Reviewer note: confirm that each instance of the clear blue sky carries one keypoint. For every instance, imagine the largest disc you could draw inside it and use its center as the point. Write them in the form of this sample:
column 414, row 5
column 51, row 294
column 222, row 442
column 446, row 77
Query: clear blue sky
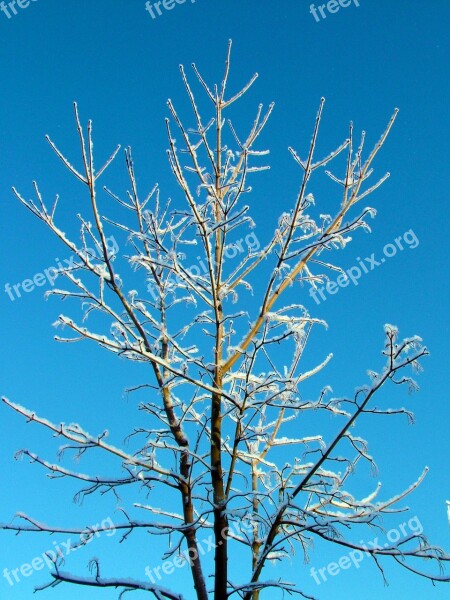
column 121, row 65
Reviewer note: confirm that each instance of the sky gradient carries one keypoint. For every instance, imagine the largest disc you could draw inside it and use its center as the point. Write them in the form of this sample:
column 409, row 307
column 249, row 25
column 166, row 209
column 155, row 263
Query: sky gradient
column 121, row 65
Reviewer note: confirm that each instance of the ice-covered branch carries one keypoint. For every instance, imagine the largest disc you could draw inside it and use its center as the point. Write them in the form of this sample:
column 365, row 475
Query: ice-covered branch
column 127, row 584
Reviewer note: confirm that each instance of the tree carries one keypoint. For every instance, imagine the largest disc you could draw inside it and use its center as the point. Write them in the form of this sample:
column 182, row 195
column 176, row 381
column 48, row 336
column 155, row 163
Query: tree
column 217, row 399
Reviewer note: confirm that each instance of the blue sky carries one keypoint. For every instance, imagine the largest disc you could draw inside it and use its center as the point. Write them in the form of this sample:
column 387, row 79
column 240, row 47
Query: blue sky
column 121, row 65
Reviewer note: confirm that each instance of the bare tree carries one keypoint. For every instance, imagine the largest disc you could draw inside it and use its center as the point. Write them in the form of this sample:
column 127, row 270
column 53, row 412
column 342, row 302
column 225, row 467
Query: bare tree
column 217, row 399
